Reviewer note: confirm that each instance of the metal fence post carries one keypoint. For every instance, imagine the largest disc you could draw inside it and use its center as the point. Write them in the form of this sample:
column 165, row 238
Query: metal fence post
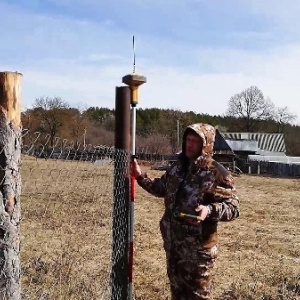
column 120, row 262
column 10, row 184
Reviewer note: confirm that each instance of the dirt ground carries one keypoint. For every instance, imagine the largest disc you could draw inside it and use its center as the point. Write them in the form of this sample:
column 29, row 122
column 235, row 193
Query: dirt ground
column 66, row 237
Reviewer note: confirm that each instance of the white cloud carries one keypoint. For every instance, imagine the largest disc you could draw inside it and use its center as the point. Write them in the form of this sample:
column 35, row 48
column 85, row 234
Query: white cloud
column 83, row 61
column 276, row 75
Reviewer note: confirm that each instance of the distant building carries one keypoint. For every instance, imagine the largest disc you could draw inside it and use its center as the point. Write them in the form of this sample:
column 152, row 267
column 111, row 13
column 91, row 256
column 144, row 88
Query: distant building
column 248, row 146
column 249, row 143
column 223, row 152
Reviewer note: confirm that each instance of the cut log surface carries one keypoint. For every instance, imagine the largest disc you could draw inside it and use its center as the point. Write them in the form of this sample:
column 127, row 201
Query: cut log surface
column 10, row 96
column 10, row 184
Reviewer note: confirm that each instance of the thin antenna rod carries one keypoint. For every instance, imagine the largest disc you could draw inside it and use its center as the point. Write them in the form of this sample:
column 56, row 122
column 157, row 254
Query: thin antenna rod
column 133, row 47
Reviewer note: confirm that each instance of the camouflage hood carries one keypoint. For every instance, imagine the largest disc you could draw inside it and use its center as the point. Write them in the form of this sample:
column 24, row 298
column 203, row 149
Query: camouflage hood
column 206, row 132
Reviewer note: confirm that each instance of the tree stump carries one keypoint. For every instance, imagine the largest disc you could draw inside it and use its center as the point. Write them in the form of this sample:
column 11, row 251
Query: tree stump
column 10, row 184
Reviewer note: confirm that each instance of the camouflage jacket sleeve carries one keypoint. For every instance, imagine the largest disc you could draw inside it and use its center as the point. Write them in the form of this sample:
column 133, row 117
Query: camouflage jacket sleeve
column 224, row 201
column 154, row 186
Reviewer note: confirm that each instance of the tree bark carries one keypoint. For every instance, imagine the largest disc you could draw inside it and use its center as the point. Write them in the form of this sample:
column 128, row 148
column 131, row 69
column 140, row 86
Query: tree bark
column 10, row 184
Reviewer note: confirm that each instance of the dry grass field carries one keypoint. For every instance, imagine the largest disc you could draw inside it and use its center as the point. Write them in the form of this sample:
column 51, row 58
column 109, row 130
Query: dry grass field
column 66, row 237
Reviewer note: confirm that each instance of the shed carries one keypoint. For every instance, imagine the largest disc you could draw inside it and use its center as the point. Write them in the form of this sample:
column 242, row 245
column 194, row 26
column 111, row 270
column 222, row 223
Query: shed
column 245, row 144
column 223, row 153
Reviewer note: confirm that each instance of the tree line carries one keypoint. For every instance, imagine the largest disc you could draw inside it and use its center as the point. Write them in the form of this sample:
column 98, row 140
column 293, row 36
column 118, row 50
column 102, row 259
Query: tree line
column 158, row 130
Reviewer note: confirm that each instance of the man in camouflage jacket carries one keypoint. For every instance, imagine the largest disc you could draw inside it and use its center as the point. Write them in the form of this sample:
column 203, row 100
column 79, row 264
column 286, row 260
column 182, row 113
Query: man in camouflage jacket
column 194, row 185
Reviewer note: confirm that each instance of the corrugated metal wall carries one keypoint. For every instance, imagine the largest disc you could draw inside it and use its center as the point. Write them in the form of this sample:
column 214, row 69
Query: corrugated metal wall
column 266, row 141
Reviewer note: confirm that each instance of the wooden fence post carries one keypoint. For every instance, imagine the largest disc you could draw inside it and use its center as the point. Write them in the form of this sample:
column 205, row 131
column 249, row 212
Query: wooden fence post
column 10, row 184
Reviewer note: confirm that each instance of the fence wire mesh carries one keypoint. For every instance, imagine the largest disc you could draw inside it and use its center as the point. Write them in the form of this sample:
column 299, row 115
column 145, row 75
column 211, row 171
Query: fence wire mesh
column 74, row 205
column 67, row 212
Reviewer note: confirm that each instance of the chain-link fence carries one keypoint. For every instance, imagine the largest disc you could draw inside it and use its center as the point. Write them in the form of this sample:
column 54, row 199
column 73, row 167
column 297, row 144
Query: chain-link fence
column 68, row 229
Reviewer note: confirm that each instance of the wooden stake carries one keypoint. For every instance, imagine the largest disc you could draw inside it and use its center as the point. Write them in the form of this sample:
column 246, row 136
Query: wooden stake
column 10, row 184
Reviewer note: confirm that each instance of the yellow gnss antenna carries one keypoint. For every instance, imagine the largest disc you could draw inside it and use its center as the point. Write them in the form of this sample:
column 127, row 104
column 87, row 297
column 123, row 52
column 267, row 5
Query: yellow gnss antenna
column 134, row 80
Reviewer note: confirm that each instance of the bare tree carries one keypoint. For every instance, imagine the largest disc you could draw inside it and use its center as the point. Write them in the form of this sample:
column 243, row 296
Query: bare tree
column 108, row 122
column 51, row 112
column 251, row 107
column 154, row 143
column 173, row 122
column 100, row 136
column 282, row 117
column 78, row 125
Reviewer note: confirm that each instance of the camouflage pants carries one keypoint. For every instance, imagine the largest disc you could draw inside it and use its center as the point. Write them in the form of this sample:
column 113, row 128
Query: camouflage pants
column 189, row 267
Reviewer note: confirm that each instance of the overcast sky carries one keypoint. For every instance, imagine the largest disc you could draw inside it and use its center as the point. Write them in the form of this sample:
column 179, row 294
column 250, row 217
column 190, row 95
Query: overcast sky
column 196, row 54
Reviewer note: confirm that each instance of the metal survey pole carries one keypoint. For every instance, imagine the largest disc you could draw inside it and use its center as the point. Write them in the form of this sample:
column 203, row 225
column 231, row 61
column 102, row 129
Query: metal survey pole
column 132, row 197
column 133, row 81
